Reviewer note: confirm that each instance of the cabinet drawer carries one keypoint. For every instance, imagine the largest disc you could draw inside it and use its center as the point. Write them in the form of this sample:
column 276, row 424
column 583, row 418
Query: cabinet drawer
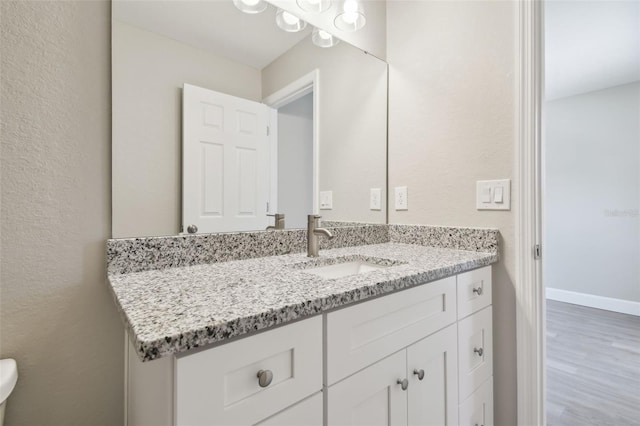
column 220, row 386
column 304, row 413
column 363, row 334
column 475, row 351
column 474, row 291
column 477, row 410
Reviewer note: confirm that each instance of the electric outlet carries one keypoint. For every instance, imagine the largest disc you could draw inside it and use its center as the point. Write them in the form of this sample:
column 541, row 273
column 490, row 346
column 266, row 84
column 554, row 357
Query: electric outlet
column 375, row 199
column 402, row 201
column 326, row 200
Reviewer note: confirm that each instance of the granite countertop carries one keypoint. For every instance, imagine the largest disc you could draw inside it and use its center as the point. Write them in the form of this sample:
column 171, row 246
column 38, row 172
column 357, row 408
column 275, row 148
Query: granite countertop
column 173, row 310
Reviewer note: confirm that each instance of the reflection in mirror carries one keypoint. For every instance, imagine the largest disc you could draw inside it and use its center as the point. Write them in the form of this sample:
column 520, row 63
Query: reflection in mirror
column 220, row 119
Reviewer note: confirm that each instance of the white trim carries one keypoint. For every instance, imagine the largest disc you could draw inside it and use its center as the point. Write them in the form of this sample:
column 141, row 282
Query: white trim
column 273, row 161
column 594, row 301
column 291, row 92
column 528, row 286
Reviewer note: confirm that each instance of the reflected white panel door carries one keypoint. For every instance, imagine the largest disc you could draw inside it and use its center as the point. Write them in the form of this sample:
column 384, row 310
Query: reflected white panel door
column 225, row 160
column 371, row 397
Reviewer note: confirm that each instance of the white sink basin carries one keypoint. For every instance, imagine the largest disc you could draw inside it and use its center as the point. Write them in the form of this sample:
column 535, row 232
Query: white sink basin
column 345, row 269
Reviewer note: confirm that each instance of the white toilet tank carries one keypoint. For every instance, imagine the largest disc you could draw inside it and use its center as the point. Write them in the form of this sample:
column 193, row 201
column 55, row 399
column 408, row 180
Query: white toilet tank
column 8, row 379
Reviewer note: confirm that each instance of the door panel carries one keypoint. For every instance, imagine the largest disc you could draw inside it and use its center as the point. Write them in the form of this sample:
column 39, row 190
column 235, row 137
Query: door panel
column 433, row 401
column 225, row 174
column 371, row 397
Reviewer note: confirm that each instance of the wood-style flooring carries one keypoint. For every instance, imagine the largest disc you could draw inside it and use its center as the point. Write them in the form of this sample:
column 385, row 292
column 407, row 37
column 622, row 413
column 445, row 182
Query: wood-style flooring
column 593, row 366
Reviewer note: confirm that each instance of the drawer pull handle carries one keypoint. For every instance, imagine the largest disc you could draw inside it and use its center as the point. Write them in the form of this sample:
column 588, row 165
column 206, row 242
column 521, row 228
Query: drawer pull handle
column 264, row 378
column 404, row 384
column 478, row 291
column 479, row 351
column 419, row 373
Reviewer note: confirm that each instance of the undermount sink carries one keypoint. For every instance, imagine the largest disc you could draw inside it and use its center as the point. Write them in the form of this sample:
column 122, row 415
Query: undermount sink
column 345, row 266
column 340, row 270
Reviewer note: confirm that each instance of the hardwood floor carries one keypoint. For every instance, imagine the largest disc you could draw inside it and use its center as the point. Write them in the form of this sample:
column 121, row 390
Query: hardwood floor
column 593, row 366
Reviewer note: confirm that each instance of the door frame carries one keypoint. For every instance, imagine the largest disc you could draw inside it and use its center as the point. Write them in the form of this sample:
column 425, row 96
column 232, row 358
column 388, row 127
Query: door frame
column 530, row 300
column 309, row 83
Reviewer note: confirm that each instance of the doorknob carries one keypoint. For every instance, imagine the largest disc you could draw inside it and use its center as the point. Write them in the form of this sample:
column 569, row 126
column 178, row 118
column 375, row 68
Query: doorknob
column 192, row 229
column 404, row 383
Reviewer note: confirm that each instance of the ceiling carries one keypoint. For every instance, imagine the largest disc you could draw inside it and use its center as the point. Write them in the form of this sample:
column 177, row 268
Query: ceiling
column 214, row 26
column 590, row 45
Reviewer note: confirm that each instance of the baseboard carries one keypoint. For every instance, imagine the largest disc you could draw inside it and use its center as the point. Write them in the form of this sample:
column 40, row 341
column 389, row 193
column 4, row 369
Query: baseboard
column 593, row 301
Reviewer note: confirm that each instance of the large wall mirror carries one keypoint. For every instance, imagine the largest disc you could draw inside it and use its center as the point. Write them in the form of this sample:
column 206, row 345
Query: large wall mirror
column 221, row 118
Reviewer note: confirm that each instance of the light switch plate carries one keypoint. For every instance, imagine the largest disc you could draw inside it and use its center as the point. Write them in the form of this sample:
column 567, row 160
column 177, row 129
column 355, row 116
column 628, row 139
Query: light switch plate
column 326, row 200
column 493, row 194
column 375, row 199
column 401, row 197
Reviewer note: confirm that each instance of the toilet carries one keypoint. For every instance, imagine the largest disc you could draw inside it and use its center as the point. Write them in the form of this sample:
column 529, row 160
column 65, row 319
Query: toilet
column 8, row 379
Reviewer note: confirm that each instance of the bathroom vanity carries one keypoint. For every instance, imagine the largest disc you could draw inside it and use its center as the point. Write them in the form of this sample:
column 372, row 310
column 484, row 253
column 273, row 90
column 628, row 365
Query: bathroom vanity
column 276, row 341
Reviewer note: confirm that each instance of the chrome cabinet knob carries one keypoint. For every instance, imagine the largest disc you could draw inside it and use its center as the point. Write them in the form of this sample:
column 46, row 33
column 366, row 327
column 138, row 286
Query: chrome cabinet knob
column 478, row 291
column 264, row 378
column 192, row 229
column 479, row 351
column 419, row 373
column 478, row 424
column 404, row 384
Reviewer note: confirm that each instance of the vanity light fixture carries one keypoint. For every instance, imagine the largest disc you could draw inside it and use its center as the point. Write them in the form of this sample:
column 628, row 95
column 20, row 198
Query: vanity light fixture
column 314, row 6
column 289, row 22
column 352, row 16
column 251, row 6
column 322, row 38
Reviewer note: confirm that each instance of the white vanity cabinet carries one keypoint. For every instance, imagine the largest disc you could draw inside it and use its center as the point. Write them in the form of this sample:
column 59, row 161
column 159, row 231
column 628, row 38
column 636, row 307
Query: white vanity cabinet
column 420, row 356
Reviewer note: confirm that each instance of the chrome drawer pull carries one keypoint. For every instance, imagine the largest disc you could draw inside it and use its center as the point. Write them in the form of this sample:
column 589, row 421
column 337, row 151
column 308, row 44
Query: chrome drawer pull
column 404, row 384
column 479, row 351
column 419, row 373
column 264, row 378
column 478, row 291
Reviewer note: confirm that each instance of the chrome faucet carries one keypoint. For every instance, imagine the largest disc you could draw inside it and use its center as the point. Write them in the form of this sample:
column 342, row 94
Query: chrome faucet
column 313, row 232
column 279, row 224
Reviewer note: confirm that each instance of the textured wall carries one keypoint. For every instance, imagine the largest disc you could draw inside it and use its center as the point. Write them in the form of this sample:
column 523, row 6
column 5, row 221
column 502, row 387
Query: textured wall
column 57, row 317
column 592, row 193
column 148, row 73
column 451, row 122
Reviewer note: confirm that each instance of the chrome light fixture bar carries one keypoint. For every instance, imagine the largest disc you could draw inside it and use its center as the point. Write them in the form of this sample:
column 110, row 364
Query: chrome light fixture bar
column 322, row 38
column 289, row 22
column 314, row 6
column 251, row 6
column 351, row 18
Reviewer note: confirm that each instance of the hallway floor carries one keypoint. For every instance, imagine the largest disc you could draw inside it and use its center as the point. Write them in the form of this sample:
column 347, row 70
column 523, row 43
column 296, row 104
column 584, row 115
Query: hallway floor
column 593, row 366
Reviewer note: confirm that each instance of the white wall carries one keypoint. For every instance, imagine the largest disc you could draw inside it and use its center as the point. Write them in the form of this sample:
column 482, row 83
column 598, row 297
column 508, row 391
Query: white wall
column 57, row 316
column 148, row 73
column 592, row 193
column 353, row 109
column 451, row 122
column 295, row 161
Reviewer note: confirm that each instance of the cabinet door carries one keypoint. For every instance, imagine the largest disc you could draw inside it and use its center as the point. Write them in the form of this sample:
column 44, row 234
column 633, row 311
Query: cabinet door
column 477, row 410
column 371, row 397
column 475, row 351
column 304, row 413
column 433, row 400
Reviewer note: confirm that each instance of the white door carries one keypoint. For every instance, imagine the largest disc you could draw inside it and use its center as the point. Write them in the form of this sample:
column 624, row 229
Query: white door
column 371, row 397
column 433, row 400
column 225, row 162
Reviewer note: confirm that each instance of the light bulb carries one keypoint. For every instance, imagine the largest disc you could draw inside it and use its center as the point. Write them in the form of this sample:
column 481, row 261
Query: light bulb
column 322, row 38
column 251, row 6
column 350, row 6
column 314, row 6
column 290, row 19
column 352, row 17
column 289, row 22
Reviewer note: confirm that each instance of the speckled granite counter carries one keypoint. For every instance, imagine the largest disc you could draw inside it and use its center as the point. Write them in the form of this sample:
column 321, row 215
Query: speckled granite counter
column 173, row 310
